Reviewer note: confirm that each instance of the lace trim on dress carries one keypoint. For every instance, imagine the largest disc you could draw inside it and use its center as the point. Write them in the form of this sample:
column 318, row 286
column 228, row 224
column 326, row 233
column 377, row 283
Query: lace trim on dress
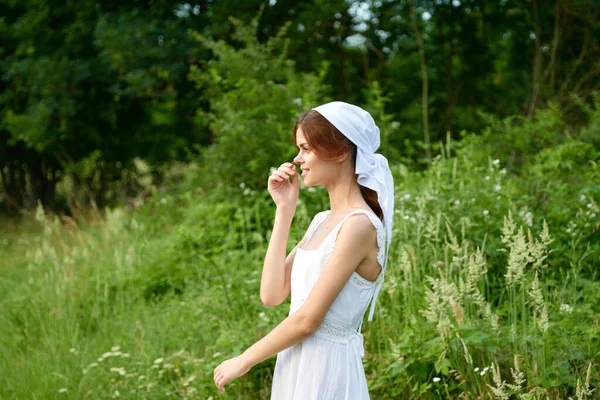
column 333, row 329
column 360, row 281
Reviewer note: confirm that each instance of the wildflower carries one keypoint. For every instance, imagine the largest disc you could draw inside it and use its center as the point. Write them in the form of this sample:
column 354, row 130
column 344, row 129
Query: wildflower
column 457, row 202
column 485, row 212
column 503, row 171
column 497, row 188
column 120, row 370
column 72, row 350
column 482, row 373
column 436, row 379
column 496, row 162
column 62, row 390
column 487, row 178
column 566, row 308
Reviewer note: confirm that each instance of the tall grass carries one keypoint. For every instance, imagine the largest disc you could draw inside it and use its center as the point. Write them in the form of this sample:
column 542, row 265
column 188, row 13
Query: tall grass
column 486, row 296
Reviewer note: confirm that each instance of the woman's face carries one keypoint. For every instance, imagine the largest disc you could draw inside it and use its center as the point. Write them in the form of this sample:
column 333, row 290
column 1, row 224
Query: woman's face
column 314, row 170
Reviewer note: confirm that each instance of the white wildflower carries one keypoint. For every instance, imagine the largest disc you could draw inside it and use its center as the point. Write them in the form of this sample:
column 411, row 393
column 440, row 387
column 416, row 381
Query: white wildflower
column 158, row 360
column 566, row 308
column 436, row 379
column 485, row 212
column 120, row 370
column 62, row 390
column 497, row 188
column 476, row 369
column 496, row 162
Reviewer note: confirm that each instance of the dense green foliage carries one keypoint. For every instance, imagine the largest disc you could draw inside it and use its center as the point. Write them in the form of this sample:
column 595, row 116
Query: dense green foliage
column 88, row 88
column 492, row 285
column 174, row 114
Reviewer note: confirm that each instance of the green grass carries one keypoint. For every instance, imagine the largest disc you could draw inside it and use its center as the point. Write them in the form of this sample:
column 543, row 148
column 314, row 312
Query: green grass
column 145, row 303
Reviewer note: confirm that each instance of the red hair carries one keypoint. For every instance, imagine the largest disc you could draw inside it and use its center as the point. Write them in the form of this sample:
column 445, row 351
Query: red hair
column 329, row 144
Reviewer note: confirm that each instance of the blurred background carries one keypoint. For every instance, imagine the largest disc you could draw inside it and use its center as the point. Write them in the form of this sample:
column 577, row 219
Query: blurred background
column 136, row 139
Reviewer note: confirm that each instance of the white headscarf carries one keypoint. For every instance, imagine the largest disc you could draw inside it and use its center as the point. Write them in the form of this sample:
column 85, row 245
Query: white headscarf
column 372, row 168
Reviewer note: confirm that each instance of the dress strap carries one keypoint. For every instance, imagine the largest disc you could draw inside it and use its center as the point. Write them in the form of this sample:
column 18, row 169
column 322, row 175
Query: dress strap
column 314, row 224
column 380, row 284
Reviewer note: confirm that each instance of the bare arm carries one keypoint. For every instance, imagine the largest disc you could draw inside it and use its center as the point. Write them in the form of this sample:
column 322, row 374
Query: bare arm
column 277, row 268
column 348, row 253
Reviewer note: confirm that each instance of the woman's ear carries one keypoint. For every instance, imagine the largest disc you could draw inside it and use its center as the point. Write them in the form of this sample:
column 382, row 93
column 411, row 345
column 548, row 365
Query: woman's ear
column 343, row 157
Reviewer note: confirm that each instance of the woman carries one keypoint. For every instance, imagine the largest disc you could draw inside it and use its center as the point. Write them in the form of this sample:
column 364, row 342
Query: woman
column 335, row 270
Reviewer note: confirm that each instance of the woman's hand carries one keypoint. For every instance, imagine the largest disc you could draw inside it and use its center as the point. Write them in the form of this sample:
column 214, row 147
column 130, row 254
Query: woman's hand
column 228, row 370
column 282, row 191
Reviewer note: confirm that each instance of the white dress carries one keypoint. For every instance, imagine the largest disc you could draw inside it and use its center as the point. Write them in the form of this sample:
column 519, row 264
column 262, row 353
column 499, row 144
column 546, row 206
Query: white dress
column 328, row 364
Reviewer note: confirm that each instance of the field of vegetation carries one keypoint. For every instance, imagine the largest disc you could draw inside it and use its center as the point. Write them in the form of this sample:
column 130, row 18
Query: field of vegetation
column 492, row 287
column 145, row 133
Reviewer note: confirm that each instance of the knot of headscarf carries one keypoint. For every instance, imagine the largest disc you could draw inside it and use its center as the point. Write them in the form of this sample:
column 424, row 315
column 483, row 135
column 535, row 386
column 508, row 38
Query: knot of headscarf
column 372, row 168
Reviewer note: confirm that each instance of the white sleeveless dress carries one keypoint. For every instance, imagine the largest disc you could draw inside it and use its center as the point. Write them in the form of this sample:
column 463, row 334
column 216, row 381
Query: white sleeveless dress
column 328, row 364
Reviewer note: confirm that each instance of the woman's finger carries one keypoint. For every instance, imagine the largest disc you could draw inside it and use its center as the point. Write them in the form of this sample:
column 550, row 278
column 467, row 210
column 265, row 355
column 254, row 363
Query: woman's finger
column 281, row 174
column 287, row 169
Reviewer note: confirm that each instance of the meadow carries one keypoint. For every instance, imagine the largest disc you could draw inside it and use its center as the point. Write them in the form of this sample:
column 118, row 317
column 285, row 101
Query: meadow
column 491, row 291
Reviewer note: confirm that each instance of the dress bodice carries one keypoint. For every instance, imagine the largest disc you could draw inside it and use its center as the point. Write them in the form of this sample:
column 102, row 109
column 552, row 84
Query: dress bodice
column 348, row 309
